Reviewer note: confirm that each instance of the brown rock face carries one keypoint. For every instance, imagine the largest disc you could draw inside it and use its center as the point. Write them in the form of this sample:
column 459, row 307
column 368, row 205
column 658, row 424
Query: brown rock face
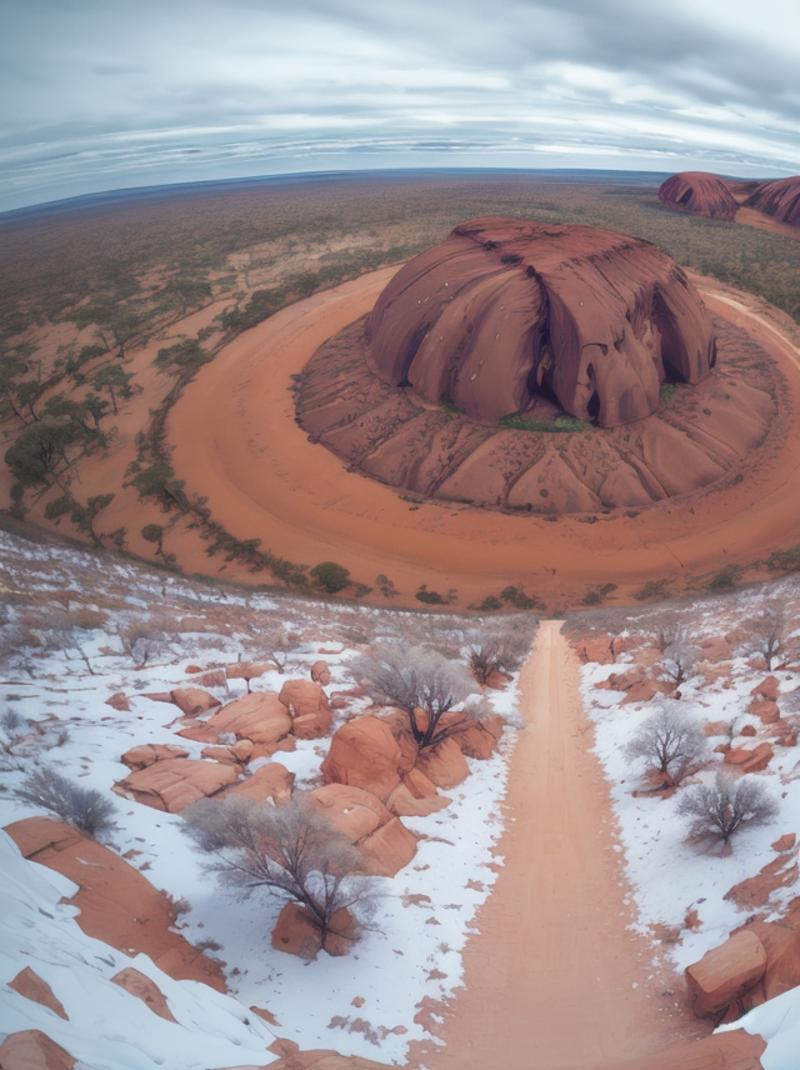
column 117, row 903
column 699, row 193
column 364, row 754
column 29, row 984
column 33, row 1050
column 508, row 309
column 780, row 199
column 139, row 984
column 725, row 973
column 308, row 707
column 175, row 783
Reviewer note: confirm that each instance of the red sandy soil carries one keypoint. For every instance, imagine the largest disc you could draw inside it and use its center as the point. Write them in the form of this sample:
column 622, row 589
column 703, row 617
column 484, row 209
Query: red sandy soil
column 751, row 217
column 236, row 442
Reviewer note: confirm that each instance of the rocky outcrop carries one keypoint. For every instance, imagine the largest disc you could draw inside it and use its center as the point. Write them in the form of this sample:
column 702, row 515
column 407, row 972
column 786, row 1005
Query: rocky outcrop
column 272, row 781
column 699, row 193
column 697, row 437
column 779, row 198
column 260, row 717
column 29, row 984
column 117, row 903
column 139, row 985
column 506, row 309
column 750, row 759
column 175, row 783
column 147, row 754
column 297, row 933
column 308, row 707
column 384, row 843
column 725, row 973
column 321, row 673
column 364, row 754
column 32, row 1049
column 193, row 700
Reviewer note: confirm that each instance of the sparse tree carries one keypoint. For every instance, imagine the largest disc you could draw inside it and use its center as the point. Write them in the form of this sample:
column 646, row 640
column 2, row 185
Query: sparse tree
column 717, row 811
column 142, row 641
column 679, row 659
column 416, row 680
column 498, row 648
column 668, row 741
column 292, row 851
column 86, row 809
column 114, row 379
column 767, row 632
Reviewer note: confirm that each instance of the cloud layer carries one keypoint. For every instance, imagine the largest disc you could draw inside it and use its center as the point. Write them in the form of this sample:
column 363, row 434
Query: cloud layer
column 102, row 94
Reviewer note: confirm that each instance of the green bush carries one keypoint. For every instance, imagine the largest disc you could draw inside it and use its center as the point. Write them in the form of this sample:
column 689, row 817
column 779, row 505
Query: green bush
column 330, row 576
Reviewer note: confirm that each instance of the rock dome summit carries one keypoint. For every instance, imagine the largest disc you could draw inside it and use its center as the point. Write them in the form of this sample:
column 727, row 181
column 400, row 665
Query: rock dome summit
column 506, row 310
column 542, row 368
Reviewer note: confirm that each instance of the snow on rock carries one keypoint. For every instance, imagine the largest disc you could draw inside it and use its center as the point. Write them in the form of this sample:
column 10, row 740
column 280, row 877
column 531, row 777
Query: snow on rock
column 778, row 1022
column 670, row 878
column 39, row 929
column 362, row 1004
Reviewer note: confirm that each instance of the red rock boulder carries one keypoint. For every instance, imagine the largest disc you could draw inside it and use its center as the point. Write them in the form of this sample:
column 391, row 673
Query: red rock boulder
column 272, row 781
column 321, row 673
column 260, row 717
column 308, row 707
column 193, row 700
column 139, row 985
column 147, row 754
column 750, row 759
column 726, row 973
column 29, row 984
column 31, row 1049
column 175, row 783
column 364, row 754
column 385, row 844
column 443, row 764
column 296, row 933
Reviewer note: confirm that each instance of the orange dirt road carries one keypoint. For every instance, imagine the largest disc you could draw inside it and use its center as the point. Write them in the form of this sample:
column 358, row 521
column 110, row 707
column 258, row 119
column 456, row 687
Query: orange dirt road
column 235, row 440
column 554, row 978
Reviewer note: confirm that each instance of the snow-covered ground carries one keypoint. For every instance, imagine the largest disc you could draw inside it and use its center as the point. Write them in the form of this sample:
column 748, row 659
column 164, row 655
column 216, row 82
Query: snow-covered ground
column 670, row 876
column 365, row 1003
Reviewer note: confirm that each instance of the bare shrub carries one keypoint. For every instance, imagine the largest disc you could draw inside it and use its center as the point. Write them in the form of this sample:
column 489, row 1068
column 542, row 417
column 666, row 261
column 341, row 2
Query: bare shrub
column 679, row 659
column 719, row 810
column 143, row 641
column 498, row 648
column 292, row 851
column 668, row 741
column 415, row 679
column 766, row 635
column 85, row 808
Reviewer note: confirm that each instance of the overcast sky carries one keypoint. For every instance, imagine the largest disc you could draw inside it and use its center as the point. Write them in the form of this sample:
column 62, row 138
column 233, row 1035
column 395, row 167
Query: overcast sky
column 103, row 94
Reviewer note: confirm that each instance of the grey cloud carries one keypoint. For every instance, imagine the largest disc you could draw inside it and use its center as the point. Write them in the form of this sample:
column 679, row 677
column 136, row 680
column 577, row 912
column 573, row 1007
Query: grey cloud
column 102, row 93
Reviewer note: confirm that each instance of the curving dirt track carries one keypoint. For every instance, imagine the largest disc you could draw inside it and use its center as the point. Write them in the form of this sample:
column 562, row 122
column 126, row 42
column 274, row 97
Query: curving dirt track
column 236, row 441
column 554, row 978
column 555, row 960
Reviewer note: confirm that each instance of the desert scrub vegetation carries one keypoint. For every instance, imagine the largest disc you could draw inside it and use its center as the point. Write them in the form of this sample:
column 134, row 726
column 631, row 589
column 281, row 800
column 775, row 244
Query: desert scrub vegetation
column 291, row 851
column 717, row 811
column 668, row 742
column 499, row 648
column 84, row 808
column 421, row 682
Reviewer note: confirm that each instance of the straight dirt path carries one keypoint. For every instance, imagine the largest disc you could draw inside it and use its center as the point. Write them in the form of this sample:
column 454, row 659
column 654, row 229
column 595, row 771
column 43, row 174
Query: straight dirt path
column 555, row 978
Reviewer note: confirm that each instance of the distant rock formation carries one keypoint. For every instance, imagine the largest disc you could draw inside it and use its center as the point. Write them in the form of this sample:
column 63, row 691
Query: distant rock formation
column 779, row 199
column 699, row 193
column 719, row 197
column 506, row 310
